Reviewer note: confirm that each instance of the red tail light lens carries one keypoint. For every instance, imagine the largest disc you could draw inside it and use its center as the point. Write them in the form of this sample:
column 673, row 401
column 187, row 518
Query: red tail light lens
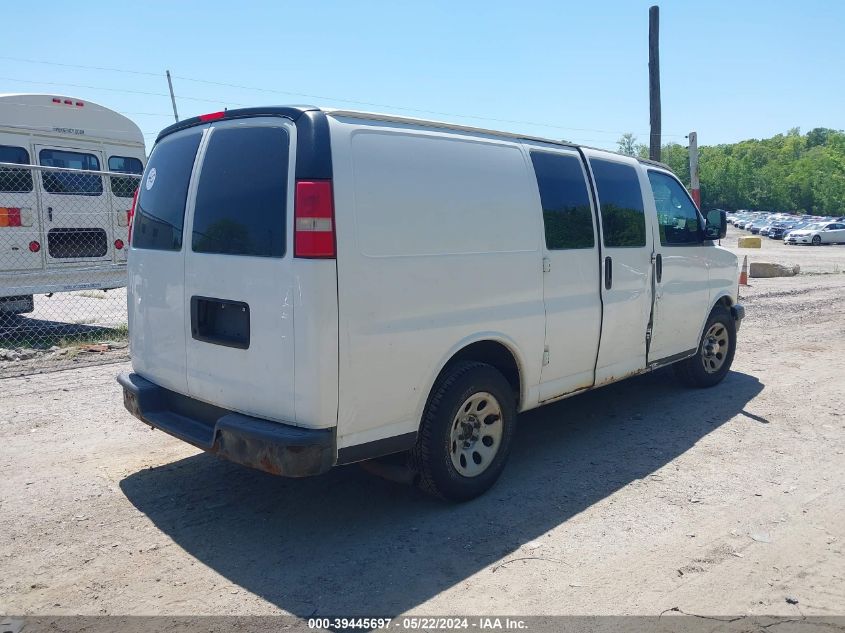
column 10, row 216
column 314, row 234
column 118, row 244
column 130, row 215
column 34, row 246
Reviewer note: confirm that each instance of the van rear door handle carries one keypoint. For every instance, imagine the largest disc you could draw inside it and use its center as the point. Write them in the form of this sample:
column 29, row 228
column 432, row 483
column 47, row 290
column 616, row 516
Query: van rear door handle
column 608, row 273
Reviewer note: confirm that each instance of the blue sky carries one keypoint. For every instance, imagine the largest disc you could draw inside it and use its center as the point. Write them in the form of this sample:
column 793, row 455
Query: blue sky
column 573, row 70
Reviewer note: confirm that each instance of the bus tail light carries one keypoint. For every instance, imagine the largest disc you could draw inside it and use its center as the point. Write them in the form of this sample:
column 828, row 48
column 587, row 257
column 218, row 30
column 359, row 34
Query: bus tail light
column 314, row 231
column 10, row 216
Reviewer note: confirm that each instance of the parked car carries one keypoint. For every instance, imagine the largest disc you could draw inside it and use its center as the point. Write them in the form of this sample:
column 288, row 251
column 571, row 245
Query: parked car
column 819, row 233
column 780, row 229
column 310, row 288
column 755, row 226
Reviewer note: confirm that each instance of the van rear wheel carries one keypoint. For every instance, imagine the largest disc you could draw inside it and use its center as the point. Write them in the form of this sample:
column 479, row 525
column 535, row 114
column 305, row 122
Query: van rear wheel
column 466, row 432
column 715, row 352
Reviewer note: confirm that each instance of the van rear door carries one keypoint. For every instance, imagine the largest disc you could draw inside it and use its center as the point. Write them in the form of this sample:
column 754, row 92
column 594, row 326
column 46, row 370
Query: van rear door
column 156, row 270
column 239, row 276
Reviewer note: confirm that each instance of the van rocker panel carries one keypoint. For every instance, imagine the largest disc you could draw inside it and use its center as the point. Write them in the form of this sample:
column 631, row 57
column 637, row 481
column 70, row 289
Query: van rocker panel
column 276, row 448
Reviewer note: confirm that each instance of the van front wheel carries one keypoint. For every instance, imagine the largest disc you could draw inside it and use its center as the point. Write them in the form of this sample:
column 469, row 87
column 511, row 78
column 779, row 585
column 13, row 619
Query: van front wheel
column 466, row 432
column 715, row 352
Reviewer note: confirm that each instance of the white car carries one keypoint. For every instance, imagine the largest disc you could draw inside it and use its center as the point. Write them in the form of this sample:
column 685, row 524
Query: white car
column 817, row 234
column 313, row 287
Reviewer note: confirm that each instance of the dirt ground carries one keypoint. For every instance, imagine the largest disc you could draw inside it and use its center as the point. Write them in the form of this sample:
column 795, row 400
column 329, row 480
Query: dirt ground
column 633, row 499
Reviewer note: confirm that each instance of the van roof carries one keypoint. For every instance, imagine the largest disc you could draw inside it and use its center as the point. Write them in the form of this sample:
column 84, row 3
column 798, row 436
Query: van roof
column 294, row 112
column 66, row 116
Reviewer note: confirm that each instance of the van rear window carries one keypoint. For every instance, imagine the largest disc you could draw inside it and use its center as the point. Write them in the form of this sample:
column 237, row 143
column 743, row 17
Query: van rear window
column 242, row 193
column 160, row 210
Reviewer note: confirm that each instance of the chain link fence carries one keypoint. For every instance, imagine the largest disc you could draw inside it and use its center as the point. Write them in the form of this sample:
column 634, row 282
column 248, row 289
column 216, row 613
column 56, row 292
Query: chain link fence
column 64, row 235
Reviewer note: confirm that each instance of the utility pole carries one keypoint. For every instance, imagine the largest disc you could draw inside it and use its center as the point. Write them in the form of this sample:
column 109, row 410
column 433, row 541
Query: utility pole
column 172, row 98
column 694, row 185
column 654, row 81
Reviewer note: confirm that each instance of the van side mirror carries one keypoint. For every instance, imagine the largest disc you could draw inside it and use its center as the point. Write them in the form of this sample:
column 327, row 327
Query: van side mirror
column 715, row 225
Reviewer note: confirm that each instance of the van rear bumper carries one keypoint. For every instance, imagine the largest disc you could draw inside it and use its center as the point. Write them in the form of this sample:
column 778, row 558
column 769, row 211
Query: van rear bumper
column 280, row 449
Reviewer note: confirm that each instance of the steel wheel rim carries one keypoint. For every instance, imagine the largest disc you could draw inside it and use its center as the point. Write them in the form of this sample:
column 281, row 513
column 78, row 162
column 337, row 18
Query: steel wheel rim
column 476, row 434
column 715, row 347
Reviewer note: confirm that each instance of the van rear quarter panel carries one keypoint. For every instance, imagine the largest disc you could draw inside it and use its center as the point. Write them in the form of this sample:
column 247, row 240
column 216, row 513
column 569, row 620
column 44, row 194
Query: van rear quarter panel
column 438, row 240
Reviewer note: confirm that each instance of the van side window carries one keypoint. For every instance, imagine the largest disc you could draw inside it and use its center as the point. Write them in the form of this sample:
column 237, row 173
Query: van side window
column 14, row 180
column 62, row 182
column 242, row 193
column 567, row 216
column 677, row 217
column 160, row 210
column 621, row 202
column 120, row 185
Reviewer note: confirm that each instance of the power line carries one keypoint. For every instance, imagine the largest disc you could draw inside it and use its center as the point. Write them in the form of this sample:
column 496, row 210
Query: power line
column 287, row 93
column 120, row 90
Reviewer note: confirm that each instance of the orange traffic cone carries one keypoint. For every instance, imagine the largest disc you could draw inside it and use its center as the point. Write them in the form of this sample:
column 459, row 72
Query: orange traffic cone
column 743, row 275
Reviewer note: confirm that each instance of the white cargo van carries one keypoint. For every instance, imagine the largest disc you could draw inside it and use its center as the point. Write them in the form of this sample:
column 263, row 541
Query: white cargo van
column 313, row 287
column 63, row 222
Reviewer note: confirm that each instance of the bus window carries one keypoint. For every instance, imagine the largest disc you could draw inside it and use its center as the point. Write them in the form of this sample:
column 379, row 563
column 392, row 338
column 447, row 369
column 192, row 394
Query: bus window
column 14, row 180
column 66, row 182
column 124, row 187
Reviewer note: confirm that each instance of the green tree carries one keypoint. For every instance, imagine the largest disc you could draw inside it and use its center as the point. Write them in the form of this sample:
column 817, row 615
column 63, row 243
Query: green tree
column 627, row 144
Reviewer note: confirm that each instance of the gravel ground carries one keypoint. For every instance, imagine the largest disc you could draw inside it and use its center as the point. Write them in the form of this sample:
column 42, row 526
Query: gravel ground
column 633, row 499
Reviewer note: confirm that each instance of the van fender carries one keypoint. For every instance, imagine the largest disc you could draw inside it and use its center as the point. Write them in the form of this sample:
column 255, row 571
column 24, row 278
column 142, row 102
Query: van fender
column 723, row 297
column 478, row 337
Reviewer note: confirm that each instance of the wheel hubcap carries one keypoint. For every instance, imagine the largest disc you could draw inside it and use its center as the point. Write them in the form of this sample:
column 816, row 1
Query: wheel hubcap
column 714, row 348
column 476, row 434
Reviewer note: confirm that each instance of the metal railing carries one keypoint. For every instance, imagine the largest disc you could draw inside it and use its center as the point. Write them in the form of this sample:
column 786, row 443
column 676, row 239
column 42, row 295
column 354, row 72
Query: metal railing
column 64, row 235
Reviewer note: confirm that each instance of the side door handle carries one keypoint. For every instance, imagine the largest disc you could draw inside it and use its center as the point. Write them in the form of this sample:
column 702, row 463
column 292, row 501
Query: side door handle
column 658, row 267
column 50, row 213
column 608, row 273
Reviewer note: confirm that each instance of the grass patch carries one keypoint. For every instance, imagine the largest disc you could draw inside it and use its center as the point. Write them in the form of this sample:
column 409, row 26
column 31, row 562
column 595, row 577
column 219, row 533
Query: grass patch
column 64, row 339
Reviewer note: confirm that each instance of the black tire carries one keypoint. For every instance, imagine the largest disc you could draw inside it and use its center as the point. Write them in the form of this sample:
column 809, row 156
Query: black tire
column 817, row 240
column 693, row 371
column 431, row 457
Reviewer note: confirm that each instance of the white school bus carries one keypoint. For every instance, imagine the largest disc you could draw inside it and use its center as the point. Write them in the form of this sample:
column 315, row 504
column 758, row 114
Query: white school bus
column 64, row 212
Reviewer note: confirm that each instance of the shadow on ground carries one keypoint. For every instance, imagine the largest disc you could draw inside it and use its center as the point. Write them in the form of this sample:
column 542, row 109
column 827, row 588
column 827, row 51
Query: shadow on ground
column 350, row 543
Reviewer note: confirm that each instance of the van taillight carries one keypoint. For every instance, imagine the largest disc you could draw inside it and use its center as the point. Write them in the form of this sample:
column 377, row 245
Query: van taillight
column 314, row 234
column 10, row 216
column 130, row 215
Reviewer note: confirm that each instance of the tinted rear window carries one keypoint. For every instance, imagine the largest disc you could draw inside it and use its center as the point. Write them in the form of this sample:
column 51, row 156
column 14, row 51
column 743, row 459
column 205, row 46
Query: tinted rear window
column 160, row 211
column 67, row 182
column 242, row 193
column 567, row 216
column 621, row 202
column 14, row 180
